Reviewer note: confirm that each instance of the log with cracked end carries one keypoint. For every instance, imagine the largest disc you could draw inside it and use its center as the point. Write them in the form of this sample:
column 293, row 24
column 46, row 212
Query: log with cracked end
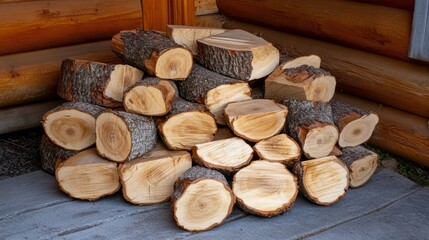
column 95, row 83
column 238, row 54
column 122, row 136
column 154, row 53
column 280, row 148
column 72, row 124
column 256, row 119
column 323, row 181
column 202, row 199
column 186, row 125
column 361, row 162
column 150, row 178
column 354, row 124
column 302, row 79
column 213, row 90
column 227, row 155
column 51, row 154
column 311, row 125
column 188, row 35
column 88, row 176
column 151, row 96
column 265, row 188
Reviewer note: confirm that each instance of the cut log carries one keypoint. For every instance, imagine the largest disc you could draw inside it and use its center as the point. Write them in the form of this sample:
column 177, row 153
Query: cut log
column 227, row 156
column 186, row 125
column 54, row 23
column 354, row 124
column 96, row 83
column 188, row 35
column 88, row 176
column 265, row 188
column 245, row 118
column 151, row 97
column 122, row 136
column 372, row 28
column 51, row 154
column 311, row 125
column 154, row 53
column 238, row 54
column 150, row 179
column 323, row 181
column 202, row 199
column 399, row 132
column 290, row 62
column 72, row 124
column 33, row 76
column 361, row 162
column 280, row 148
column 360, row 73
column 213, row 90
column 24, row 116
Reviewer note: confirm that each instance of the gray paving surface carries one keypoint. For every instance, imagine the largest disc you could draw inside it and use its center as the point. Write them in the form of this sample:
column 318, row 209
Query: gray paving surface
column 388, row 207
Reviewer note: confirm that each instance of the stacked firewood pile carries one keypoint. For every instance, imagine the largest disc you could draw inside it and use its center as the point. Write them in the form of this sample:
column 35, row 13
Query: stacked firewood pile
column 203, row 104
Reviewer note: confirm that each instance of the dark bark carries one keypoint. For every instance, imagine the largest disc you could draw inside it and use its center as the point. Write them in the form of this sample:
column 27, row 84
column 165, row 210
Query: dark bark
column 51, row 154
column 351, row 154
column 341, row 109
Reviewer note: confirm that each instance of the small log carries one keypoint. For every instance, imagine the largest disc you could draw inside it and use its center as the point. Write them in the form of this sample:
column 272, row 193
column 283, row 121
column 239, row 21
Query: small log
column 323, row 181
column 154, row 53
column 361, row 162
column 188, row 35
column 245, row 118
column 354, row 124
column 72, row 125
column 238, row 54
column 300, row 79
column 201, row 200
column 186, row 125
column 95, row 83
column 151, row 97
column 150, row 178
column 265, row 188
column 88, row 176
column 227, row 155
column 213, row 90
column 280, row 148
column 311, row 125
column 51, row 154
column 122, row 136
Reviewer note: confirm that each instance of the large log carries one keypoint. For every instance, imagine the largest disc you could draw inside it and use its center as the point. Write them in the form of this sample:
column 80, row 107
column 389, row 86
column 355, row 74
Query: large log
column 186, row 125
column 34, row 25
column 122, row 136
column 378, row 29
column 154, row 53
column 402, row 4
column 96, row 83
column 311, row 124
column 391, row 82
column 150, row 178
column 213, row 90
column 201, row 200
column 398, row 132
column 72, row 125
column 226, row 54
column 265, row 188
column 24, row 116
column 88, row 176
column 33, row 76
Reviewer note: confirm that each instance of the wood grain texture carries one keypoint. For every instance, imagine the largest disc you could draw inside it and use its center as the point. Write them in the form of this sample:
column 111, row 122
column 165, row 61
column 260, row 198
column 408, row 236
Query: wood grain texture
column 399, row 132
column 155, row 14
column 34, row 25
column 181, row 12
column 378, row 29
column 402, row 4
column 419, row 45
column 391, row 82
column 33, row 76
column 24, row 116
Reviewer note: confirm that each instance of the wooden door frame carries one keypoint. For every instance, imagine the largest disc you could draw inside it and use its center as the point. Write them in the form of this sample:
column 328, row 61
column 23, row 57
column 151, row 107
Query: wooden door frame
column 158, row 13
